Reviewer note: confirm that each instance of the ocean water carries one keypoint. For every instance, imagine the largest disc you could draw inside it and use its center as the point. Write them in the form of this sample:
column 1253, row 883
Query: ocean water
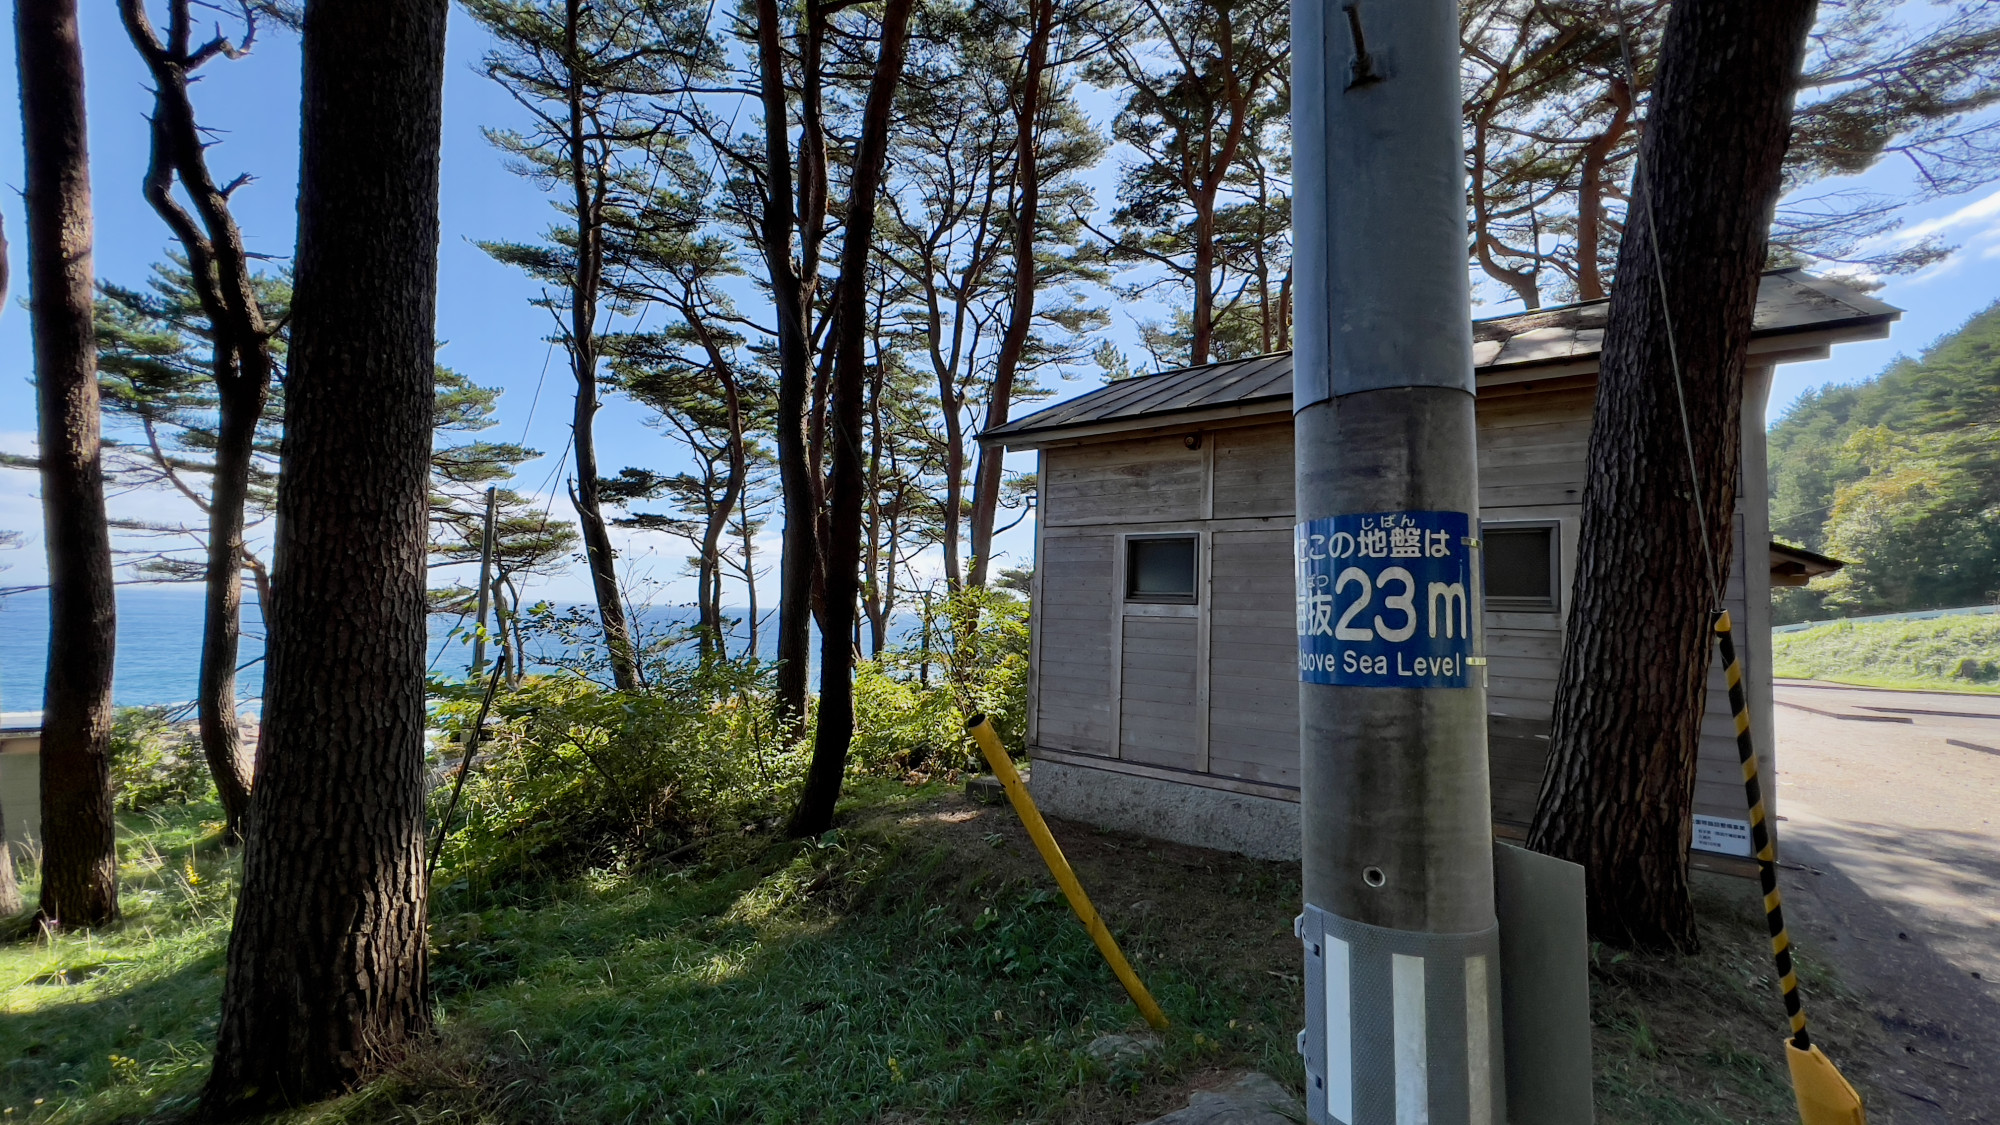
column 159, row 646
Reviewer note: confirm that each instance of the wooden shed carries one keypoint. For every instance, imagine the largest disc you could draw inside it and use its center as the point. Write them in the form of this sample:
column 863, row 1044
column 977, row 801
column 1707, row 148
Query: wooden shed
column 1163, row 695
column 21, row 775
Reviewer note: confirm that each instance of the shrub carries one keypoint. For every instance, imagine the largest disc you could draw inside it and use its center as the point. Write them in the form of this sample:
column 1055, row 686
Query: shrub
column 572, row 775
column 971, row 657
column 156, row 760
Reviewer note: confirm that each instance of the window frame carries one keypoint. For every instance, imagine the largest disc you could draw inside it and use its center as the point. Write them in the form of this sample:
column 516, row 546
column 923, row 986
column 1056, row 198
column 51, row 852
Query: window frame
column 1503, row 604
column 1131, row 573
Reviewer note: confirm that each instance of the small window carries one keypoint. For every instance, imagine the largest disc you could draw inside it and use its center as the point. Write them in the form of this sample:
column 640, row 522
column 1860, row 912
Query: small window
column 1522, row 566
column 1160, row 568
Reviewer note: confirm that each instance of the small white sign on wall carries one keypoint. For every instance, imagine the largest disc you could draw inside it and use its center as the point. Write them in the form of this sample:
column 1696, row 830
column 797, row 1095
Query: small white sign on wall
column 1727, row 837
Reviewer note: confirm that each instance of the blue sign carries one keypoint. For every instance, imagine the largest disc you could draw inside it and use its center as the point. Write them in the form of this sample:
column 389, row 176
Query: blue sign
column 1385, row 599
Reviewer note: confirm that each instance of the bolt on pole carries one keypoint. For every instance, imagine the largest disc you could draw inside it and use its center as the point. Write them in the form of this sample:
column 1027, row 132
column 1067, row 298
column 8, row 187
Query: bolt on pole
column 1402, row 950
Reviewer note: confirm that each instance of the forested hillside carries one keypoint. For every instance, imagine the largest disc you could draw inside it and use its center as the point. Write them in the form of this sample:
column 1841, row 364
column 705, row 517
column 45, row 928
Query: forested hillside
column 1900, row 476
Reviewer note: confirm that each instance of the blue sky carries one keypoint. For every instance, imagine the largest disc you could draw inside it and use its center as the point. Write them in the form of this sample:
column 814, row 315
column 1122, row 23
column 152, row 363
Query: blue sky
column 492, row 334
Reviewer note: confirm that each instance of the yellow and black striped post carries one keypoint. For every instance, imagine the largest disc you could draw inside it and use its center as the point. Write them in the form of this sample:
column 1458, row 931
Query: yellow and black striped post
column 1824, row 1097
column 1760, row 833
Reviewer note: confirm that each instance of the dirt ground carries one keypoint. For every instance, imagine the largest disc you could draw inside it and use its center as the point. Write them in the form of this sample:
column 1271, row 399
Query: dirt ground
column 1676, row 1039
column 1889, row 829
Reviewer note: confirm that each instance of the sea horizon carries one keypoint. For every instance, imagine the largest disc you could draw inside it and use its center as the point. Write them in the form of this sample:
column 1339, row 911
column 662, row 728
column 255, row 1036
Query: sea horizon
column 159, row 644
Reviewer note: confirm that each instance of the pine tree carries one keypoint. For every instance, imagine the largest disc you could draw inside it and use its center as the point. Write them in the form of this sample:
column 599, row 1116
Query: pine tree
column 1654, row 548
column 327, row 964
column 592, row 76
column 1208, row 86
column 1555, row 93
column 79, row 853
column 242, row 354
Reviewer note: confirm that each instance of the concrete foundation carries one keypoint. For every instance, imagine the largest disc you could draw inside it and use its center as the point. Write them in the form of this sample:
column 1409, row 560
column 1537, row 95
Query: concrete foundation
column 1259, row 827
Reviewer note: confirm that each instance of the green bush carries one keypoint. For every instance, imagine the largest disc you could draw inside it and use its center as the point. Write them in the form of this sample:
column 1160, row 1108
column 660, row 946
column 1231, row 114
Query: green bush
column 572, row 776
column 155, row 760
column 903, row 726
column 971, row 657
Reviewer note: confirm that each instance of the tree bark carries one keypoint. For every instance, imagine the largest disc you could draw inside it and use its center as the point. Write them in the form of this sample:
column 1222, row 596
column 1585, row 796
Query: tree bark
column 789, row 287
column 327, row 959
column 219, row 268
column 835, row 729
column 229, row 759
column 1619, row 784
column 10, row 887
column 79, row 857
column 1020, row 317
column 1591, row 192
column 587, row 189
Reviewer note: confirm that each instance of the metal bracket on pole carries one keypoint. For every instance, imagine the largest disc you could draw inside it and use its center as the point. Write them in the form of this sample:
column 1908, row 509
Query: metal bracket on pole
column 1402, row 1025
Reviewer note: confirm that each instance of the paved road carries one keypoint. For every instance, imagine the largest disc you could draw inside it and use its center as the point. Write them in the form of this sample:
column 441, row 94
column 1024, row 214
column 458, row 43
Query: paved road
column 1889, row 805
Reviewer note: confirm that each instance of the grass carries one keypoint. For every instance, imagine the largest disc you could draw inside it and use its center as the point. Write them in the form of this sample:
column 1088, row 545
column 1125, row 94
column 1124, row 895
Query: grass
column 1697, row 1040
column 1935, row 654
column 103, row 1025
column 914, row 966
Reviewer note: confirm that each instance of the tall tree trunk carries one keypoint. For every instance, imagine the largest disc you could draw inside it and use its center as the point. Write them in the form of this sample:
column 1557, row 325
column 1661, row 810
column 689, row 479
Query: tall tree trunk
column 219, row 266
column 1617, row 793
column 1021, row 316
column 1203, row 281
column 598, row 551
column 229, row 759
column 835, row 729
column 713, row 629
column 79, row 856
column 587, row 198
column 950, row 404
column 1591, row 190
column 779, row 226
column 10, row 887
column 749, row 585
column 327, row 959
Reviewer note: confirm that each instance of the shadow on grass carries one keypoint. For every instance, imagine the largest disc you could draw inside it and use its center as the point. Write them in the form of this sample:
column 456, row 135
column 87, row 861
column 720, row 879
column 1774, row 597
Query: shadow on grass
column 118, row 1021
column 110, row 1048
column 917, row 964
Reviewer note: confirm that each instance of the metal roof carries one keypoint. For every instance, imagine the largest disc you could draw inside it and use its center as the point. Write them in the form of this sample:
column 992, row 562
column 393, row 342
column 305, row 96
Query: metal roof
column 1788, row 301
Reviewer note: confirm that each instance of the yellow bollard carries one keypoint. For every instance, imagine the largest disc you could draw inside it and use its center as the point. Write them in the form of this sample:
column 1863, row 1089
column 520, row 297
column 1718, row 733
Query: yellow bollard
column 1824, row 1096
column 1038, row 830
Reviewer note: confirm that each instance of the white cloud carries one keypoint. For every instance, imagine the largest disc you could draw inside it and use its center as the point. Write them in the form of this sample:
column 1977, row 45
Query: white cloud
column 1981, row 213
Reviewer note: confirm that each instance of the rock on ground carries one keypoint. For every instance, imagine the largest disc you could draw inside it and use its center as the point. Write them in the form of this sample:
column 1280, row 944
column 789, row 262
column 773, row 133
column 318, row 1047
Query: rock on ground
column 1254, row 1099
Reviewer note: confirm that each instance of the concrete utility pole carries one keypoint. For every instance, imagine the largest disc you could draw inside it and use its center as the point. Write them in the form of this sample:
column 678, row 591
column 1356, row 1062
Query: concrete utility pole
column 1402, row 952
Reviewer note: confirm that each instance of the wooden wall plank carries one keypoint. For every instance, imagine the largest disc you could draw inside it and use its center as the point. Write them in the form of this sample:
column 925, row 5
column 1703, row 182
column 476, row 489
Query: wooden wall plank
column 1074, row 685
column 1253, row 471
column 1156, row 699
column 1146, row 480
column 1253, row 659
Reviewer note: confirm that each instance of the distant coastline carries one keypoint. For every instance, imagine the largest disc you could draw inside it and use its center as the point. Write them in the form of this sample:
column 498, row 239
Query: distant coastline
column 159, row 646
